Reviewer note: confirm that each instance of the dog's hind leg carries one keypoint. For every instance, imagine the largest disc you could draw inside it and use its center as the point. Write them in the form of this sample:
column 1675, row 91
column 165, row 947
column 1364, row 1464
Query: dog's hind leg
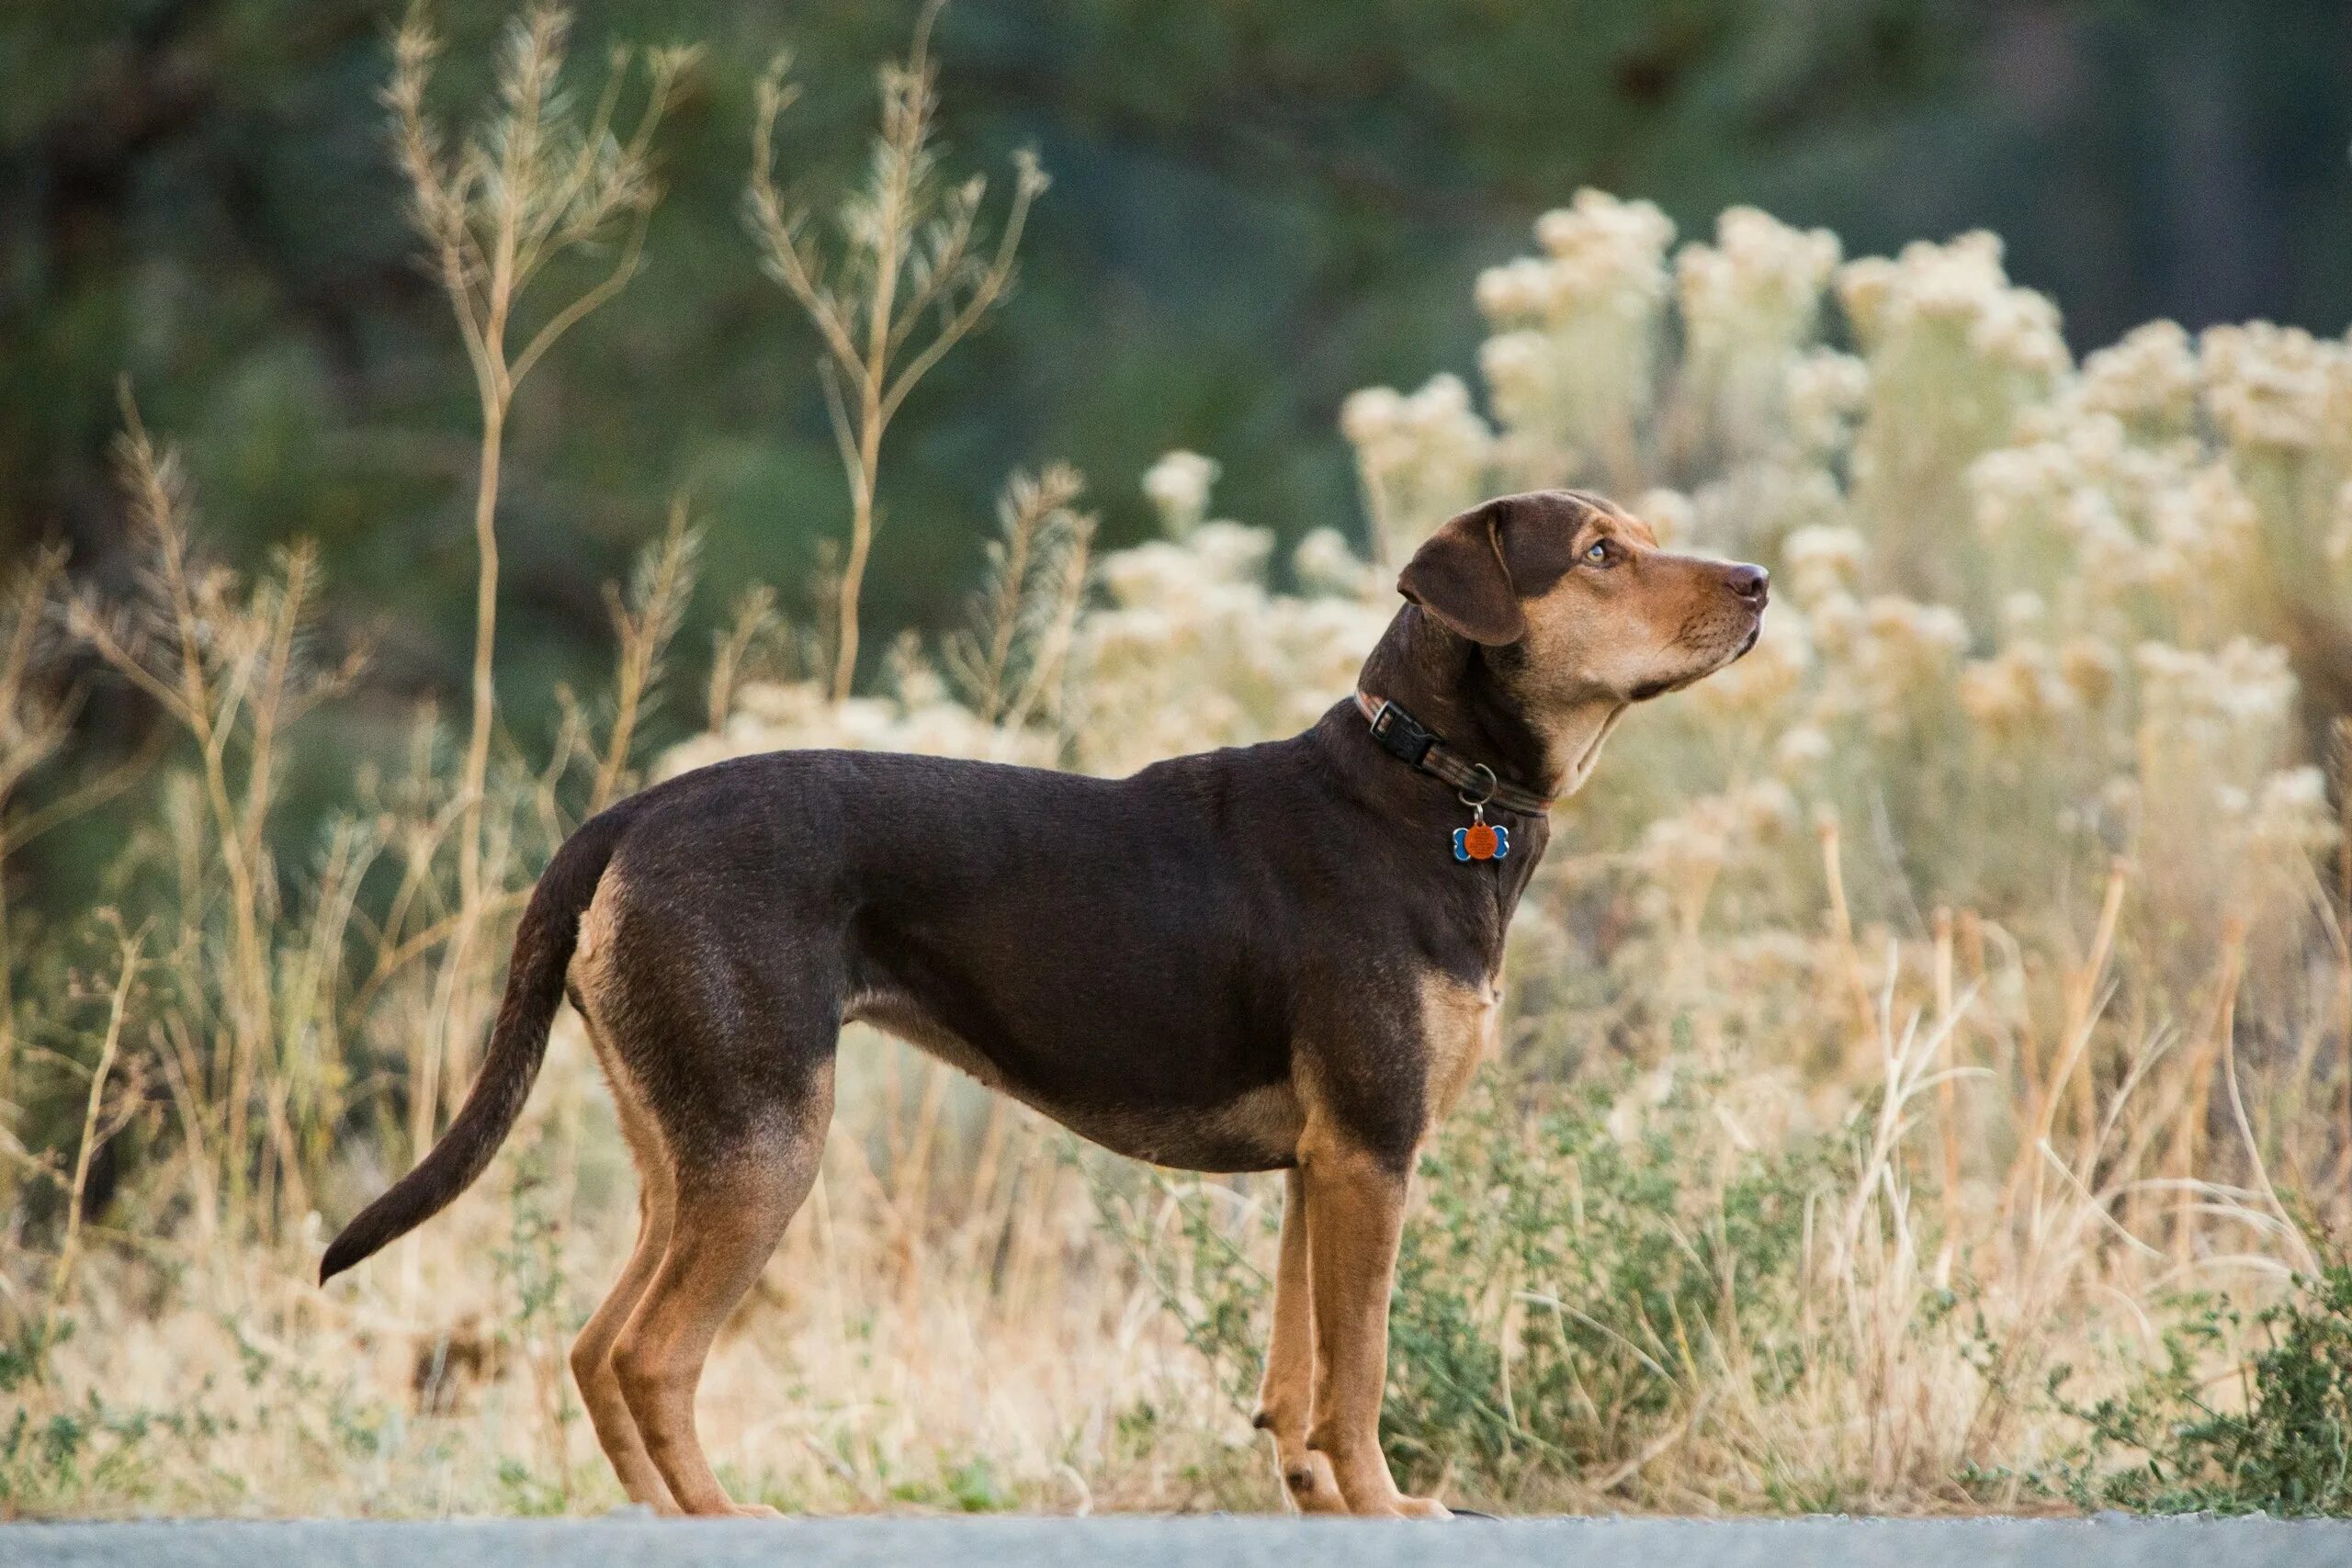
column 731, row 1208
column 591, row 1353
column 1286, row 1394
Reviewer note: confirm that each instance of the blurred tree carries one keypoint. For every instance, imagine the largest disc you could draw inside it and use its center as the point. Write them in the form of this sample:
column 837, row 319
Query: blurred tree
column 1259, row 205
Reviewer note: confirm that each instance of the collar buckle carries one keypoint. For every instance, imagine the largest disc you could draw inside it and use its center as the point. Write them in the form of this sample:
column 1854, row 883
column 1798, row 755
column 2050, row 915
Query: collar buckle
column 1400, row 735
column 1408, row 740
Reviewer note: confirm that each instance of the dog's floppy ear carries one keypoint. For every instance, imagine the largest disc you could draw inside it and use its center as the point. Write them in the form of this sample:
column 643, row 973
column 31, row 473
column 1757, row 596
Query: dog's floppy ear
column 1459, row 577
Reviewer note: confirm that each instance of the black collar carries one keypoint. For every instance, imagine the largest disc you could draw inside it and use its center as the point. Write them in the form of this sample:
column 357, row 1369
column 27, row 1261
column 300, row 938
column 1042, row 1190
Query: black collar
column 1406, row 738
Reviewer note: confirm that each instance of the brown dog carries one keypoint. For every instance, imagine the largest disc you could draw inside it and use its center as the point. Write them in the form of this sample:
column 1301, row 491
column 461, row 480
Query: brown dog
column 1282, row 957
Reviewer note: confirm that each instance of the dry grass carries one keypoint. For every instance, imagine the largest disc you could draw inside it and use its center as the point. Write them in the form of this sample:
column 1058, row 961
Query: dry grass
column 1926, row 1010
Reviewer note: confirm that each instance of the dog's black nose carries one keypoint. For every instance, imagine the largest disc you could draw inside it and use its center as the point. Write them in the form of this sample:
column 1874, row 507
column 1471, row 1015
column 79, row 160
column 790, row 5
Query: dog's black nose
column 1750, row 583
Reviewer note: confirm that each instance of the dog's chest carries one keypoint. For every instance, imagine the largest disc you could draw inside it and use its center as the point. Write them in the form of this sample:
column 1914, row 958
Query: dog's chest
column 1461, row 1024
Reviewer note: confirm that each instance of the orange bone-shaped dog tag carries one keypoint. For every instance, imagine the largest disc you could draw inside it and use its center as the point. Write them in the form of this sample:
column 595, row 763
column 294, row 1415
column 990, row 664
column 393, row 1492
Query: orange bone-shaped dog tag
column 1481, row 841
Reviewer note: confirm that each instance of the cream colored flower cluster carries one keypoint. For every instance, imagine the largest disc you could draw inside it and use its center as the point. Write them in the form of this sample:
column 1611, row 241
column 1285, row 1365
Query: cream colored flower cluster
column 2226, row 707
column 1178, row 488
column 2083, row 509
column 1194, row 651
column 2273, row 387
column 1957, row 293
column 2027, row 691
column 1834, row 654
column 1600, row 255
column 1761, row 282
column 1993, row 566
column 2216, row 787
column 1571, row 371
column 1826, row 391
column 2148, row 379
column 1422, row 458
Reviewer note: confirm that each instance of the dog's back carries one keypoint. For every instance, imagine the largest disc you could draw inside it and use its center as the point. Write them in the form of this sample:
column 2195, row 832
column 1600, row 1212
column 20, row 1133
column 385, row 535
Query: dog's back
column 1097, row 948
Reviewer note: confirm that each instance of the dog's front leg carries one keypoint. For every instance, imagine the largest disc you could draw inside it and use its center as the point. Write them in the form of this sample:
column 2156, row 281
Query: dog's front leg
column 1355, row 1204
column 1286, row 1394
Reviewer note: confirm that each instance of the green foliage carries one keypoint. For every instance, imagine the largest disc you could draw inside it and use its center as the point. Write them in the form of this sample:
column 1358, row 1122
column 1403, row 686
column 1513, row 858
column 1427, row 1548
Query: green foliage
column 971, row 1487
column 55, row 1453
column 2175, row 1442
column 1563, row 1284
column 65, row 1455
column 1559, row 1289
column 1566, row 1291
column 531, row 1262
column 531, row 1265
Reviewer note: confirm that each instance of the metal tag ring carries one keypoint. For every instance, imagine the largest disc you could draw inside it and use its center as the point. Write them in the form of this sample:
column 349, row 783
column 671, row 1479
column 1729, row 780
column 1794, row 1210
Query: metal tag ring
column 1492, row 783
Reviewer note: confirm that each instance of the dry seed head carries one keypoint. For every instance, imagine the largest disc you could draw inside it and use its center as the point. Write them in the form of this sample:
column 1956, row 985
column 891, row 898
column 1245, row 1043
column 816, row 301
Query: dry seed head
column 2270, row 386
column 1178, row 486
column 2148, row 379
column 1826, row 392
column 1758, row 287
column 2090, row 667
column 1325, row 564
column 1959, row 292
column 2016, row 696
column 1823, row 560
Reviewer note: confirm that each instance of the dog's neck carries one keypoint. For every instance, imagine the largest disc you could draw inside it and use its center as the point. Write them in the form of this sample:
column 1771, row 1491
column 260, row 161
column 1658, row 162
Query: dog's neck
column 1451, row 686
column 1577, row 740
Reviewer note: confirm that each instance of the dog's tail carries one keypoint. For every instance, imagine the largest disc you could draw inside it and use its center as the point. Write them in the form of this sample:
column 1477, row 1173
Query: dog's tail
column 543, row 945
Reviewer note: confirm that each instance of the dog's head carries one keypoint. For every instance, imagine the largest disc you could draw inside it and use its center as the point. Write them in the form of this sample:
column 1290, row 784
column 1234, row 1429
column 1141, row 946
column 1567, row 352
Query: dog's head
column 1576, row 606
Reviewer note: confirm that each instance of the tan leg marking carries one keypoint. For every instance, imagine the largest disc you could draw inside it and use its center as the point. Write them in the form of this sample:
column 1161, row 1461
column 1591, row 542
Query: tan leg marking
column 1286, row 1394
column 1356, row 1209
column 727, row 1223
column 591, row 1353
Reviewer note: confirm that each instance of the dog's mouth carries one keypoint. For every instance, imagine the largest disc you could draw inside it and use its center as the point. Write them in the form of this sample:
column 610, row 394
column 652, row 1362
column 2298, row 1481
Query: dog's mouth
column 1755, row 631
column 1661, row 687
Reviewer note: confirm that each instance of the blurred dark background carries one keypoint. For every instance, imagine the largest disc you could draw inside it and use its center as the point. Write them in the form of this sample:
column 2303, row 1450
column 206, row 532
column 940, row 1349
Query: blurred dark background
column 1259, row 205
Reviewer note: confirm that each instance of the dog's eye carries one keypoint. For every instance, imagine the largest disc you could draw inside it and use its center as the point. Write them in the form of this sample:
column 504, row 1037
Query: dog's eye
column 1597, row 554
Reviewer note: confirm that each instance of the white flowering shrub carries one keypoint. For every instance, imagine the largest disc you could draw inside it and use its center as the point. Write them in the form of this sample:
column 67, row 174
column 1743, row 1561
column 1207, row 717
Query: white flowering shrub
column 2028, row 617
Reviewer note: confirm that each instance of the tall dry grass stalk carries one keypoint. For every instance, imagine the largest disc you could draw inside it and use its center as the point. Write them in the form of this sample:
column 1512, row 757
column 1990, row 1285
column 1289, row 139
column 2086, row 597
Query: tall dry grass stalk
column 1010, row 660
column 94, row 1131
column 742, row 647
column 34, row 723
column 910, row 276
column 645, row 621
column 230, row 664
column 531, row 182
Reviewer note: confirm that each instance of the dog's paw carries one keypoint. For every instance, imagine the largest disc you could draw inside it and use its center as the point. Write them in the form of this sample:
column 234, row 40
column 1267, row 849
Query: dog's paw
column 755, row 1511
column 1312, row 1488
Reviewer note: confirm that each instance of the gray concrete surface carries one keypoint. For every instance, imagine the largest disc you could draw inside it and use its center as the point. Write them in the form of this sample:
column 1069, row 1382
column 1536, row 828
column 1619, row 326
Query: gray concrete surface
column 1139, row 1542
